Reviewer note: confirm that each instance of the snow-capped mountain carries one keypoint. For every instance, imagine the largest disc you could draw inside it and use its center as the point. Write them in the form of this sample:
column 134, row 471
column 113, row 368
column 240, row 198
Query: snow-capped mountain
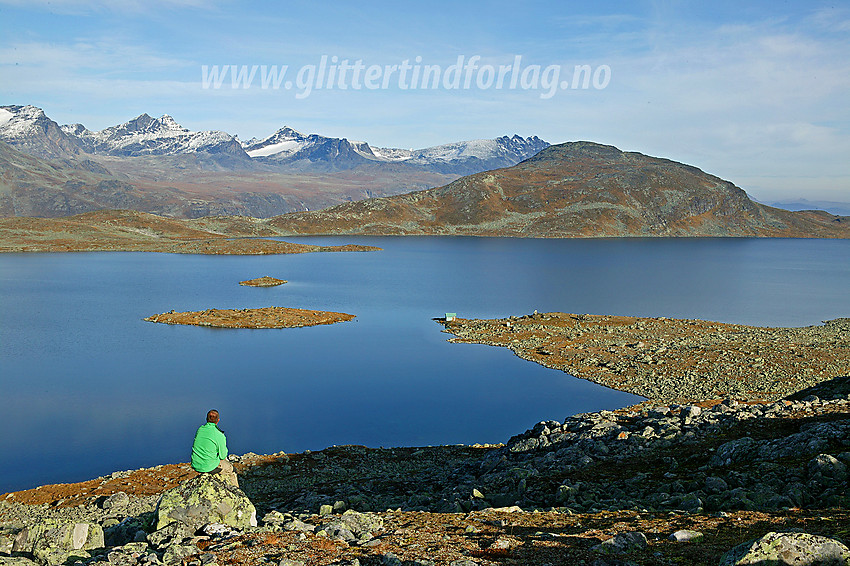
column 508, row 149
column 145, row 135
column 28, row 129
column 290, row 146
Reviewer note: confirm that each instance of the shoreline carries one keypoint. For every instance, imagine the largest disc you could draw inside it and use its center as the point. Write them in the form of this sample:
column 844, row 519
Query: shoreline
column 132, row 231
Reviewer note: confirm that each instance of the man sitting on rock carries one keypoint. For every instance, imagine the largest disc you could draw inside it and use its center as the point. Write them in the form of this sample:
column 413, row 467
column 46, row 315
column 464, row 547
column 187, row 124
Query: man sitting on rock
column 209, row 451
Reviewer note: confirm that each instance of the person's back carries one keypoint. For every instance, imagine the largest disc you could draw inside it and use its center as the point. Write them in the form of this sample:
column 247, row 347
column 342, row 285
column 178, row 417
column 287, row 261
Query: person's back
column 209, row 450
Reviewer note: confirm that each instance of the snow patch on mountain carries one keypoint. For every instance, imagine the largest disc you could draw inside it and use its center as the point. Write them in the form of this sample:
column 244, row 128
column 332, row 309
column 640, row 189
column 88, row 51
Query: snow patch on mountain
column 282, row 143
column 288, row 146
column 20, row 121
column 392, row 153
column 5, row 116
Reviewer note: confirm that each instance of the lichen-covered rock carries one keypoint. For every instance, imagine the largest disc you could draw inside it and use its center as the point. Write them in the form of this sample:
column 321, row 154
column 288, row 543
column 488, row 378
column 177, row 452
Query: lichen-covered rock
column 16, row 561
column 205, row 499
column 174, row 554
column 172, row 533
column 792, row 549
column 623, row 543
column 53, row 542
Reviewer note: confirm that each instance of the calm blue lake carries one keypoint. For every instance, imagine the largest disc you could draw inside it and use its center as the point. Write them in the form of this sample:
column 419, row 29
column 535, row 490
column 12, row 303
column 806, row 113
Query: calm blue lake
column 88, row 387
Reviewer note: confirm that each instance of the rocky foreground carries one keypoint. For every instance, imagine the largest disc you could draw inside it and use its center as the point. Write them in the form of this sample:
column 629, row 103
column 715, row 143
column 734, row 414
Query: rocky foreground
column 649, row 485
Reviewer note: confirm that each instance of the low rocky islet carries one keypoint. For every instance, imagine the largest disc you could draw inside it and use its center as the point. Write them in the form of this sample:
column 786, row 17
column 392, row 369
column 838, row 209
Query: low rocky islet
column 265, row 317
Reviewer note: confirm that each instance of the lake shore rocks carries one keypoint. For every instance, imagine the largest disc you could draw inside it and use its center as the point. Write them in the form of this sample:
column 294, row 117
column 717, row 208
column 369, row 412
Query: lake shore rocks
column 266, row 317
column 695, row 481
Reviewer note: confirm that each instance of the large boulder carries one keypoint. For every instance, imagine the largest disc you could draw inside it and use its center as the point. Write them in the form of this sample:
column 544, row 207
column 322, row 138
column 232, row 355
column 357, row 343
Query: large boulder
column 54, row 542
column 792, row 549
column 205, row 499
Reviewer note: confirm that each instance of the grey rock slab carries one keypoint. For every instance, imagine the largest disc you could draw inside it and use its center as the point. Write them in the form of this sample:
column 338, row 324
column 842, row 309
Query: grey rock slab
column 792, row 549
column 116, row 501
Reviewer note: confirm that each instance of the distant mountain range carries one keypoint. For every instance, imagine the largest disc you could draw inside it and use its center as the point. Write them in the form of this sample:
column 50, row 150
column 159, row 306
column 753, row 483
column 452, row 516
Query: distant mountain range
column 28, row 129
column 839, row 208
column 517, row 186
column 164, row 168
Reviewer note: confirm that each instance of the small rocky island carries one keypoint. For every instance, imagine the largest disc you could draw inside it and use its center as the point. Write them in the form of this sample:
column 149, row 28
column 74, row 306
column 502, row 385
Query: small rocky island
column 266, row 317
column 264, row 281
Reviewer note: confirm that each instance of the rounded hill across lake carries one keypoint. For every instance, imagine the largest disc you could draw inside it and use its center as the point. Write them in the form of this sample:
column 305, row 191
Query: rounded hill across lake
column 265, row 317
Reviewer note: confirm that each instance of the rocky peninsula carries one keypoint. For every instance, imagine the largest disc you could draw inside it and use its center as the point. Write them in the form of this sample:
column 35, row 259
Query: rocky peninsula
column 266, row 317
column 671, row 360
column 131, row 231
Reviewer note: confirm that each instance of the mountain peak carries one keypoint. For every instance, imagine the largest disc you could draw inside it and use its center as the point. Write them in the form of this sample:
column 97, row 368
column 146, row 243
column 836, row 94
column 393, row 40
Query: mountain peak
column 170, row 123
column 29, row 129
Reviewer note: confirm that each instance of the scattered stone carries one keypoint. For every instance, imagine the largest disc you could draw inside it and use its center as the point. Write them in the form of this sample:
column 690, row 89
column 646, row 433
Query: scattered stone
column 174, row 532
column 353, row 526
column 686, row 536
column 622, row 543
column 116, row 501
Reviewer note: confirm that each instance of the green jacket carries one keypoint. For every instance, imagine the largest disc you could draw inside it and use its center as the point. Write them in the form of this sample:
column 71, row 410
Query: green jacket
column 209, row 448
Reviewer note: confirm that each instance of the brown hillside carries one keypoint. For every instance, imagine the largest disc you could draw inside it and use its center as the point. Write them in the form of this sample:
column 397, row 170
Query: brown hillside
column 578, row 189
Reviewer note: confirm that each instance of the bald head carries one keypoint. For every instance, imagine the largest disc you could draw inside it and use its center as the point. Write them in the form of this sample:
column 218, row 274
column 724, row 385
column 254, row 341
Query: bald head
column 212, row 416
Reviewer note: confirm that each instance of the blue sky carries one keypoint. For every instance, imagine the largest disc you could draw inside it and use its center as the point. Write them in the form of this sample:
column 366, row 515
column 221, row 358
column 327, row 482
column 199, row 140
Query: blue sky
column 755, row 92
